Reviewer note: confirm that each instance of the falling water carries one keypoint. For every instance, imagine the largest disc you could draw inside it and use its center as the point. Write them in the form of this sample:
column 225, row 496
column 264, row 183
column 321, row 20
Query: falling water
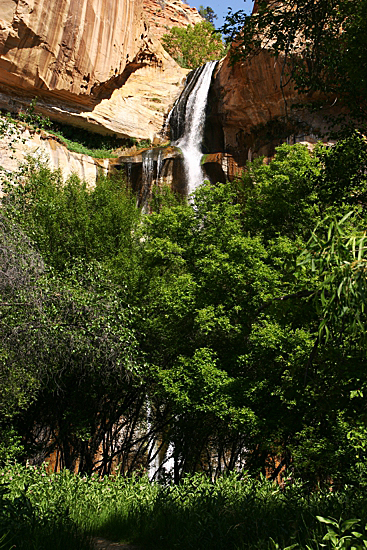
column 153, row 450
column 176, row 117
column 147, row 173
column 129, row 173
column 159, row 165
column 187, row 120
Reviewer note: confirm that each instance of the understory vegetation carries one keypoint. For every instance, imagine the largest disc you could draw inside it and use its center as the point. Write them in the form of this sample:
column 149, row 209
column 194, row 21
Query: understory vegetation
column 77, row 140
column 224, row 337
column 95, row 145
column 63, row 510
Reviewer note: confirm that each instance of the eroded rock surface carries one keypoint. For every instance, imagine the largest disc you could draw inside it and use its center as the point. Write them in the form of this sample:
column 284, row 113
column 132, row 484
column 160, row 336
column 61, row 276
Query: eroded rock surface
column 253, row 108
column 92, row 63
column 256, row 107
column 43, row 147
column 165, row 14
column 69, row 45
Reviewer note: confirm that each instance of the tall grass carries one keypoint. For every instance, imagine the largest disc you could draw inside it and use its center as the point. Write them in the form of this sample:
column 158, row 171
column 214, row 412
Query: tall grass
column 35, row 511
column 64, row 510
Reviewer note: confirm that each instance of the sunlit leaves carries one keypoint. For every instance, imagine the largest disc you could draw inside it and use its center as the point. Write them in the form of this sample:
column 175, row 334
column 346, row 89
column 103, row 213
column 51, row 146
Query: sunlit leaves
column 338, row 255
column 193, row 46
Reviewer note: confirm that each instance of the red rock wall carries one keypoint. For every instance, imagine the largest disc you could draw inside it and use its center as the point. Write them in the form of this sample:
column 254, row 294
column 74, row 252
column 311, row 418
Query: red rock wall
column 165, row 14
column 93, row 63
column 67, row 45
column 256, row 114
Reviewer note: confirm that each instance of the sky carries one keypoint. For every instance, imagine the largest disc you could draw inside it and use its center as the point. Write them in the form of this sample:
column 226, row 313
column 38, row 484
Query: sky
column 220, row 7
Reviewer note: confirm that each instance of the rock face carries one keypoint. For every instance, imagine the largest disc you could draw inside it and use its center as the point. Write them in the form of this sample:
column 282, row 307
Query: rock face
column 44, row 147
column 92, row 63
column 252, row 113
column 99, row 64
column 164, row 14
column 140, row 106
column 68, row 45
column 255, row 113
column 166, row 165
column 149, row 167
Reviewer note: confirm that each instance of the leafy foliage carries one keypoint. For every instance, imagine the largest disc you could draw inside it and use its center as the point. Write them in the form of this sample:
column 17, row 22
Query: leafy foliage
column 202, row 328
column 219, row 335
column 34, row 119
column 343, row 534
column 208, row 14
column 69, row 354
column 193, row 46
column 340, row 263
column 88, row 143
column 69, row 222
column 42, row 509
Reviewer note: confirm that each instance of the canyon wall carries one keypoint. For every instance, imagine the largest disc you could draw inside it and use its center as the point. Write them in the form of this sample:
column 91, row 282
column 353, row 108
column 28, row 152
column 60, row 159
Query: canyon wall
column 165, row 14
column 67, row 46
column 98, row 64
column 92, row 63
column 46, row 148
column 250, row 112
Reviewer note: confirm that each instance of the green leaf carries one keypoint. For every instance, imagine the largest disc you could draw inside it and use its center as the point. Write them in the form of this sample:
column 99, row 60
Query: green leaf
column 347, row 524
column 329, row 521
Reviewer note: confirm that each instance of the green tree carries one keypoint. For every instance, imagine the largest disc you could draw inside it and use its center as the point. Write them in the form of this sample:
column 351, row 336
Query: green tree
column 69, row 355
column 193, row 46
column 22, row 268
column 197, row 324
column 207, row 14
column 232, row 329
column 68, row 222
column 92, row 386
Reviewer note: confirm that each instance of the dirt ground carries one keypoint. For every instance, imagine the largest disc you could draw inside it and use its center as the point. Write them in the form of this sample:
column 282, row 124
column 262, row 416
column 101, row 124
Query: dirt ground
column 103, row 544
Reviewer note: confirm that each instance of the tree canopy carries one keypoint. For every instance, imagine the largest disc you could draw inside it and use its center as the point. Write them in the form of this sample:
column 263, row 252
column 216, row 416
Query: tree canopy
column 231, row 332
column 194, row 45
column 208, row 14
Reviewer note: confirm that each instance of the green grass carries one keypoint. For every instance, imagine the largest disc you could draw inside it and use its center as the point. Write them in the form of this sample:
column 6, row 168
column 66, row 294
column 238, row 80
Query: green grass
column 94, row 145
column 77, row 147
column 75, row 139
column 64, row 510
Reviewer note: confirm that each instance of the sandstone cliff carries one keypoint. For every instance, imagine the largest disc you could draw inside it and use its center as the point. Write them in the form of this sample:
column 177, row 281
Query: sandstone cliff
column 164, row 14
column 14, row 152
column 252, row 112
column 99, row 64
column 69, row 45
column 92, row 63
column 250, row 98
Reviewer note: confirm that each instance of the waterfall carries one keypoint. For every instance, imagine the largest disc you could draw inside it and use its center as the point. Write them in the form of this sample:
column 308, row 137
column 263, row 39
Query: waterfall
column 187, row 121
column 147, row 173
column 176, row 117
column 159, row 165
column 153, row 448
column 129, row 173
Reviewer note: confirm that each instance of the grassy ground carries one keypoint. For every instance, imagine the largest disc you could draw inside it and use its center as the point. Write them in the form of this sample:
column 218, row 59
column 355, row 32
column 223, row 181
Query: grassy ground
column 75, row 139
column 58, row 511
column 95, row 145
column 77, row 147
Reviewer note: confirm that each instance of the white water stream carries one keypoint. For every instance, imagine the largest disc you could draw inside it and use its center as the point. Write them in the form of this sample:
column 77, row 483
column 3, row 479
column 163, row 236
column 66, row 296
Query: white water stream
column 159, row 165
column 190, row 141
column 147, row 175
